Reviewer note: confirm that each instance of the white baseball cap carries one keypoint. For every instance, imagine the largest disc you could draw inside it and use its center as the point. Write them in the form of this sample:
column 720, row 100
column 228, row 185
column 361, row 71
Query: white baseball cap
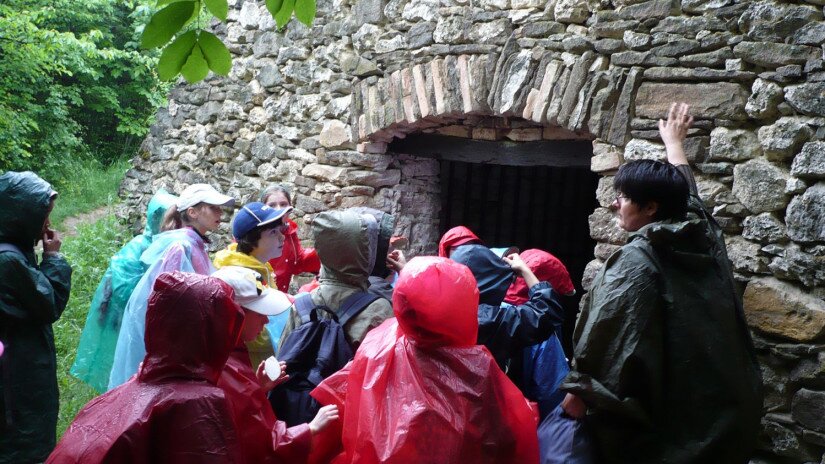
column 202, row 193
column 250, row 293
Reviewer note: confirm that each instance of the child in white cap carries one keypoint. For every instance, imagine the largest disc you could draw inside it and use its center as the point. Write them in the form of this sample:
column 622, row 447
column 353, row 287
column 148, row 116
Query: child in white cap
column 197, row 211
column 262, row 436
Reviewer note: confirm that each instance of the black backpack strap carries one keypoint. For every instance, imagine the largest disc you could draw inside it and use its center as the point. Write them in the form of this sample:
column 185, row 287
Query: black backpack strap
column 304, row 306
column 353, row 306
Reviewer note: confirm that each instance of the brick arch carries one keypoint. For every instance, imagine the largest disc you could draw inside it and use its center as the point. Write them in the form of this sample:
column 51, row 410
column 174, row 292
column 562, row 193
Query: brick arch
column 577, row 93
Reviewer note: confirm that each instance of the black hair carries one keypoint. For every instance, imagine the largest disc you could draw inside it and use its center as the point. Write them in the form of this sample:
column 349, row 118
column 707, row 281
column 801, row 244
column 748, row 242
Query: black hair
column 644, row 181
column 248, row 242
column 273, row 189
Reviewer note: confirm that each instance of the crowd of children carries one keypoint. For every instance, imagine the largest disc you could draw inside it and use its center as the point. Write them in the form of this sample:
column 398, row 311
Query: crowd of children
column 447, row 359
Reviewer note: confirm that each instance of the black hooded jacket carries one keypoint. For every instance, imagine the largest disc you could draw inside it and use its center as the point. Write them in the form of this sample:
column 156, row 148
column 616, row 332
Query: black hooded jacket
column 32, row 297
column 506, row 331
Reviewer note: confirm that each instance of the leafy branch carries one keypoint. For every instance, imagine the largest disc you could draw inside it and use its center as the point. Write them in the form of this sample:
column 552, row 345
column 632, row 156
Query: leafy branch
column 192, row 52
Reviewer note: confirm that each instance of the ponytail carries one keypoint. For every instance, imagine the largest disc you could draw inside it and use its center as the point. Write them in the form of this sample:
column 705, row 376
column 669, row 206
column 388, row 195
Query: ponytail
column 171, row 220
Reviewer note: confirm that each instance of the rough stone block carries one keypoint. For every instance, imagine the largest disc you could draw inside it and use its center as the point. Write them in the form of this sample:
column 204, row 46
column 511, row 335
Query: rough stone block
column 810, row 162
column 760, row 185
column 773, row 22
column 773, row 55
column 376, row 179
column 733, row 144
column 805, row 217
column 720, row 100
column 784, row 138
column 764, row 100
column 795, row 264
column 571, row 11
column 778, row 308
column 604, row 227
column 639, row 149
column 652, row 9
column 807, row 98
column 808, row 409
column 764, row 228
column 606, row 158
column 325, row 173
column 334, row 134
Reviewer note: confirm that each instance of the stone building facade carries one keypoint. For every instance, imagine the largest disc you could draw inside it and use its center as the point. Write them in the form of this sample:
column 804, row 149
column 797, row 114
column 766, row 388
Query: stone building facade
column 322, row 109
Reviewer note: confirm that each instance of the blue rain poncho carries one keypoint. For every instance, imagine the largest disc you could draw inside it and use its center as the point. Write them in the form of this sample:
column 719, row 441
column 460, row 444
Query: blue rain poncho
column 176, row 250
column 97, row 342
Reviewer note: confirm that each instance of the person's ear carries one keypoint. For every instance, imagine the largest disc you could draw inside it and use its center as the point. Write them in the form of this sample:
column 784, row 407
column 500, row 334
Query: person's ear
column 192, row 212
column 650, row 209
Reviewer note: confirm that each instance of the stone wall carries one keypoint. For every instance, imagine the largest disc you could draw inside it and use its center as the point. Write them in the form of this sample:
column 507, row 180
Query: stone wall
column 316, row 109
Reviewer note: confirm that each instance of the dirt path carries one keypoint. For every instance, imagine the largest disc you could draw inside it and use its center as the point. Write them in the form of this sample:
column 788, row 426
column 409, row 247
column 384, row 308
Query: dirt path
column 70, row 224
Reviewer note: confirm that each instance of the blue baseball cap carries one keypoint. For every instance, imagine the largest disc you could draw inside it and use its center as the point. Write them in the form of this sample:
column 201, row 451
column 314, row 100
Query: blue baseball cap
column 254, row 215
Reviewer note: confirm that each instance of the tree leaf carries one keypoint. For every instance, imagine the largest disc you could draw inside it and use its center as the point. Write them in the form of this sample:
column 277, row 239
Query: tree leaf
column 216, row 53
column 175, row 54
column 166, row 23
column 196, row 67
column 219, row 8
column 305, row 11
column 166, row 2
column 274, row 6
column 283, row 15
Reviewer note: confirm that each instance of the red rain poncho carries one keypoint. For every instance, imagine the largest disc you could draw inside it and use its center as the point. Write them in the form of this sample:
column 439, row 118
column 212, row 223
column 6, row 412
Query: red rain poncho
column 294, row 259
column 454, row 237
column 171, row 411
column 421, row 391
column 264, row 439
column 547, row 268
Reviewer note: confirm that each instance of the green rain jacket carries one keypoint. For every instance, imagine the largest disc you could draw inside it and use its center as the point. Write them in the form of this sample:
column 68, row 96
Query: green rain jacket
column 32, row 297
column 662, row 355
column 347, row 247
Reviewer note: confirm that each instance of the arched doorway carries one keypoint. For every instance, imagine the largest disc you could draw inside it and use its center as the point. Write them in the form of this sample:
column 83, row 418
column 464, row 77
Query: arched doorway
column 534, row 194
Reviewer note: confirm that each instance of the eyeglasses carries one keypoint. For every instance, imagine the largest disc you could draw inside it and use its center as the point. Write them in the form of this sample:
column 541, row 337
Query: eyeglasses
column 621, row 196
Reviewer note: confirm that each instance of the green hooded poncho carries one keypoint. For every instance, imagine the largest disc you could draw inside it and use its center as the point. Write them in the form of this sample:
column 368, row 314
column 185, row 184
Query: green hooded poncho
column 99, row 338
column 346, row 242
column 663, row 358
column 32, row 297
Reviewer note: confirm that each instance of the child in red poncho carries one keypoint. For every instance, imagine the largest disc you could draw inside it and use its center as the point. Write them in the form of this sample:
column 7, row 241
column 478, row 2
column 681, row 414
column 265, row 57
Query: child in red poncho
column 421, row 391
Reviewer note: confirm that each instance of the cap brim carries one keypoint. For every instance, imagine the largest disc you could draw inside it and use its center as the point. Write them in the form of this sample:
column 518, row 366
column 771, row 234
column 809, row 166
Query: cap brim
column 271, row 303
column 274, row 215
column 219, row 199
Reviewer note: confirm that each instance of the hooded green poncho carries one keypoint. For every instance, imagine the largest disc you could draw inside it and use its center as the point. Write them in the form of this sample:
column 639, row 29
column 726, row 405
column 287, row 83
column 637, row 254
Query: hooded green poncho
column 663, row 358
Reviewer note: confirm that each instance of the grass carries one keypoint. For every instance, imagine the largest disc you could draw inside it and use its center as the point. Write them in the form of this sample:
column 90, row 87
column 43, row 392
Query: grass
column 86, row 186
column 88, row 252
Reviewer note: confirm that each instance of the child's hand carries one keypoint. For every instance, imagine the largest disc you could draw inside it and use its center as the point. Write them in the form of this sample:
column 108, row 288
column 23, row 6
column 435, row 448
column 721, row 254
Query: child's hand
column 265, row 382
column 326, row 415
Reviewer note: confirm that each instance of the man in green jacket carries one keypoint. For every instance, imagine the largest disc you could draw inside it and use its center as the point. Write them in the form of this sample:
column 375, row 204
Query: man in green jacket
column 664, row 369
column 32, row 297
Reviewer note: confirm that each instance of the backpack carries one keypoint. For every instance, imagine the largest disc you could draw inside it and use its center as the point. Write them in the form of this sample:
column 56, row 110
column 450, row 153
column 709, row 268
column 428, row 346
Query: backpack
column 312, row 352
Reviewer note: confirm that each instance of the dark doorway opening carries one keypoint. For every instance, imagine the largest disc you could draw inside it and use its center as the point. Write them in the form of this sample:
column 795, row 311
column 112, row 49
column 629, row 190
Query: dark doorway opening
column 527, row 194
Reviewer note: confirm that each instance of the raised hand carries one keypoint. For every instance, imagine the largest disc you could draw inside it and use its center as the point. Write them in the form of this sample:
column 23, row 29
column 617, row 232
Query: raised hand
column 674, row 131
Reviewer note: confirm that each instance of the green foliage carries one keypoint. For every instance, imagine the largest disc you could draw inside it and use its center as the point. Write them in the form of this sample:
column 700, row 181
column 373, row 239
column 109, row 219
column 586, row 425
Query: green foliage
column 73, row 84
column 85, row 187
column 193, row 59
column 88, row 252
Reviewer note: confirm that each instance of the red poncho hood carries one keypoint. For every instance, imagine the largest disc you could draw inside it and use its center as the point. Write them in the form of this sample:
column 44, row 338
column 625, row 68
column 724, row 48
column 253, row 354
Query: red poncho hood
column 454, row 237
column 172, row 411
column 547, row 268
column 421, row 377
column 192, row 325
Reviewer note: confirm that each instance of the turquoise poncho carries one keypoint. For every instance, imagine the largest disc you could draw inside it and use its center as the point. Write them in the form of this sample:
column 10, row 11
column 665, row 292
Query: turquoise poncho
column 97, row 342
